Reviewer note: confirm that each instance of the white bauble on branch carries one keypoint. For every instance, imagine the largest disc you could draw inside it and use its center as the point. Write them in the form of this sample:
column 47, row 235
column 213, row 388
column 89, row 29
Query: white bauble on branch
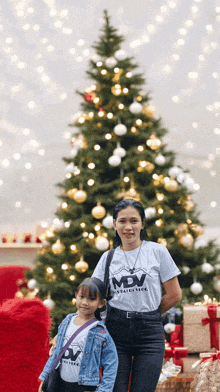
column 120, row 129
column 70, row 167
column 169, row 327
column 110, row 62
column 181, row 177
column 32, row 284
column 135, row 108
column 120, row 55
column 207, row 267
column 217, row 285
column 185, row 269
column 114, row 160
column 150, row 212
column 196, row 288
column 49, row 303
column 189, row 183
column 101, row 243
column 120, row 151
column 108, row 222
column 160, row 160
column 174, row 171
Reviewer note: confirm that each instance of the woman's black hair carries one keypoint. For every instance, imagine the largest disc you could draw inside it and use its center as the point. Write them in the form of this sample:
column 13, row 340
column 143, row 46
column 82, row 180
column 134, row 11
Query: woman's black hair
column 93, row 287
column 129, row 203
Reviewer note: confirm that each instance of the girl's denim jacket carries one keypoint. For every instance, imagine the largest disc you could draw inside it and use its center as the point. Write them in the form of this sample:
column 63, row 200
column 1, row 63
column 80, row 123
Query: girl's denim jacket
column 99, row 351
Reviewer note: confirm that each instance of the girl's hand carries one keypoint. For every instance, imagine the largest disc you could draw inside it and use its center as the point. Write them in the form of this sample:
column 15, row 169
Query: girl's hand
column 40, row 387
column 54, row 344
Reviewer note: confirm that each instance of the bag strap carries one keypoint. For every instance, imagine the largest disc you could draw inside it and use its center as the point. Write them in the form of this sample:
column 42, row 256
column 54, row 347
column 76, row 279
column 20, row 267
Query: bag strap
column 70, row 340
column 108, row 261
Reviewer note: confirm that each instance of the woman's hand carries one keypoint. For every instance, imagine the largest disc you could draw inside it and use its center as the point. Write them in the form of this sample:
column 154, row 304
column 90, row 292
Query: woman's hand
column 54, row 344
column 40, row 387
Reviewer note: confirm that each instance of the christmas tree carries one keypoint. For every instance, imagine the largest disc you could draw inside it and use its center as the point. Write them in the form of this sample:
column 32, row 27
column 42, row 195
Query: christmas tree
column 118, row 152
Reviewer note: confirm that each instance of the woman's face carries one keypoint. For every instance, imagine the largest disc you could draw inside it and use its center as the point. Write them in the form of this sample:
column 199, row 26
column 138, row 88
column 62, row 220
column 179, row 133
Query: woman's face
column 128, row 225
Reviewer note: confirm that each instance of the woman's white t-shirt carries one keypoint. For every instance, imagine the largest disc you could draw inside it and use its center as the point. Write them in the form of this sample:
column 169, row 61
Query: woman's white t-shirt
column 140, row 291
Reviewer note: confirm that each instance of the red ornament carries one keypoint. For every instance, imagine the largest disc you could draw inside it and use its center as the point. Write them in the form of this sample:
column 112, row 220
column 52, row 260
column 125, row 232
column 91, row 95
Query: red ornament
column 88, row 97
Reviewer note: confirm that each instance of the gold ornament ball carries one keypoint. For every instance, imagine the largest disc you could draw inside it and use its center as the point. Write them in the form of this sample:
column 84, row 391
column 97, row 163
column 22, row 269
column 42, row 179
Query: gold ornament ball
column 71, row 193
column 197, row 229
column 19, row 294
column 149, row 110
column 162, row 241
column 80, row 196
column 181, row 230
column 186, row 241
column 98, row 212
column 171, row 186
column 81, row 266
column 58, row 247
column 153, row 142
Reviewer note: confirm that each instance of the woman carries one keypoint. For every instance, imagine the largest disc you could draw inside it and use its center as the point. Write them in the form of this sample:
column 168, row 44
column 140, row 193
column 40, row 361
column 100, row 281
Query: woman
column 134, row 313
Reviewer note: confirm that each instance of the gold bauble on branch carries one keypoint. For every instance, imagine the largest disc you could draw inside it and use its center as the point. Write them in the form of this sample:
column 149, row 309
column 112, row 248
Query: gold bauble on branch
column 71, row 193
column 181, row 230
column 145, row 166
column 81, row 266
column 171, row 186
column 80, row 196
column 187, row 241
column 149, row 110
column 197, row 229
column 162, row 241
column 99, row 211
column 187, row 203
column 58, row 247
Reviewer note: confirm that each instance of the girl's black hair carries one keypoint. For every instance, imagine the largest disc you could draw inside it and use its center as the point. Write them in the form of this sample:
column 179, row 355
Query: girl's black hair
column 129, row 203
column 93, row 287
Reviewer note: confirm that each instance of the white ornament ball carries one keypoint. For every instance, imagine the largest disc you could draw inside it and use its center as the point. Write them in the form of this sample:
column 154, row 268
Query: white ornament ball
column 114, row 160
column 110, row 62
column 196, row 288
column 160, row 160
column 108, row 221
column 169, row 327
column 73, row 152
column 101, row 243
column 135, row 108
column 49, row 303
column 189, row 183
column 120, row 151
column 185, row 269
column 120, row 129
column 70, row 167
column 32, row 284
column 181, row 177
column 217, row 285
column 217, row 266
column 95, row 57
column 206, row 267
column 120, row 55
column 150, row 212
column 174, row 171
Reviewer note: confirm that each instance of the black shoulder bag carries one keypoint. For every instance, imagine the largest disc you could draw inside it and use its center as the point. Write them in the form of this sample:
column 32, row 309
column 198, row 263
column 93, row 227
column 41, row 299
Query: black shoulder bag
column 106, row 276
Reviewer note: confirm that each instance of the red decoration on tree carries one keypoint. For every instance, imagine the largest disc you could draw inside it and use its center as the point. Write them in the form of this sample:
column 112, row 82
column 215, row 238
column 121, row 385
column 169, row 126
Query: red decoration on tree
column 88, row 97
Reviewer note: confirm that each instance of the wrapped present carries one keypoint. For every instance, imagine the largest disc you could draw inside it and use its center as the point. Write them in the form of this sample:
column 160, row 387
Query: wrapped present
column 176, row 353
column 201, row 327
column 176, row 337
column 208, row 374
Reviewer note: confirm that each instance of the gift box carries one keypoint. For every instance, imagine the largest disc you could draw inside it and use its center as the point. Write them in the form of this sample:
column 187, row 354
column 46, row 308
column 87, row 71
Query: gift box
column 201, row 324
column 177, row 354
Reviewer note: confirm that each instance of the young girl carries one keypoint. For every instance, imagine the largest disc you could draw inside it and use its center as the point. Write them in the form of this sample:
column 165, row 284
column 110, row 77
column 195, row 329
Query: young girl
column 91, row 349
column 134, row 318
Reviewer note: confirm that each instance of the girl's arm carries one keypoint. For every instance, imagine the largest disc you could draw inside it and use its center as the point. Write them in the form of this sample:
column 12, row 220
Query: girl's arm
column 172, row 296
column 109, row 363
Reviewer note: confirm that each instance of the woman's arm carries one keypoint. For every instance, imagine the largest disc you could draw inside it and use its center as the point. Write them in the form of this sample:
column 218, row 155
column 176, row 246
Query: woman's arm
column 172, row 296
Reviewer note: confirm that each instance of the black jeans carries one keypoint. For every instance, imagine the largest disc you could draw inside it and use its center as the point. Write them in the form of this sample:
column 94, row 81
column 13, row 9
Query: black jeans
column 139, row 339
column 74, row 387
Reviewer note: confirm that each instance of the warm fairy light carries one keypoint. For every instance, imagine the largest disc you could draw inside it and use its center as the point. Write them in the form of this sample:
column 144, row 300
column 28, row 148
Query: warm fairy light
column 133, row 129
column 125, row 90
column 97, row 147
column 96, row 100
column 116, row 69
column 83, row 225
column 91, row 236
column 110, row 115
column 97, row 227
column 73, row 247
column 90, row 182
column 85, row 234
column 160, row 196
column 138, row 121
column 91, row 165
column 108, row 136
column 64, row 205
column 103, row 72
column 128, row 74
column 140, row 148
column 121, row 106
column 76, row 172
column 72, row 277
column 155, row 176
column 160, row 210
column 64, row 266
column 126, row 179
column 99, row 64
column 159, row 222
column 67, row 224
column 68, row 175
column 49, row 270
column 143, row 163
column 81, row 120
column 100, row 113
column 73, row 301
column 91, row 114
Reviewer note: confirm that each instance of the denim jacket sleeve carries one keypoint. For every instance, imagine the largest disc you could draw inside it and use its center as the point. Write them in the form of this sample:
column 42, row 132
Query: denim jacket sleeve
column 109, row 363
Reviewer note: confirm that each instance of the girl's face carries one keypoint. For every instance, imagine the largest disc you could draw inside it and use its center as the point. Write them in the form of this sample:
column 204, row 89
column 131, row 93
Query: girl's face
column 128, row 225
column 86, row 306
